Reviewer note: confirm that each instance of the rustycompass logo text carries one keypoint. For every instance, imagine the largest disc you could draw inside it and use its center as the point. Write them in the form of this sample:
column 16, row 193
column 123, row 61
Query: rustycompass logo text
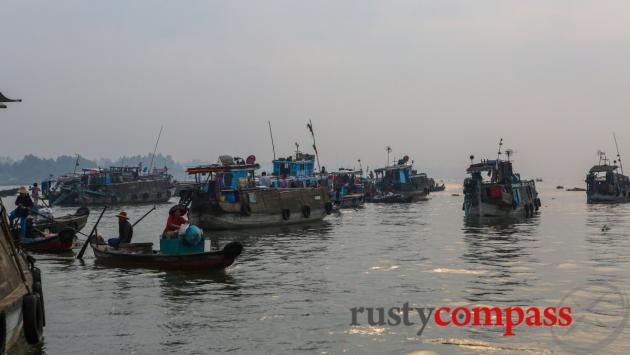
column 509, row 318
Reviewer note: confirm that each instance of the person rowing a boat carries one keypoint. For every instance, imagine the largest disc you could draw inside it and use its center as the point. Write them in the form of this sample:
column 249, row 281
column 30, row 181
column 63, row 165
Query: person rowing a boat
column 24, row 205
column 125, row 231
column 175, row 221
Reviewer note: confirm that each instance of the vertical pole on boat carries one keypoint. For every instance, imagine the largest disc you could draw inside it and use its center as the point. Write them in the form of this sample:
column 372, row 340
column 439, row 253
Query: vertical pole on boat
column 500, row 144
column 389, row 150
column 618, row 155
column 155, row 149
column 310, row 128
column 89, row 238
column 76, row 164
column 273, row 146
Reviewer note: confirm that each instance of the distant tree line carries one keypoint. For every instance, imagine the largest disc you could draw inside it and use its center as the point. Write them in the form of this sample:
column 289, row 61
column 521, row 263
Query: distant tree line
column 34, row 169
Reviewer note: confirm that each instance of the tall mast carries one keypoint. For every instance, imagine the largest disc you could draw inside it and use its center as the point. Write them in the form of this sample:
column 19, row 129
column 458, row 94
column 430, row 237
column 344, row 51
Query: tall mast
column 155, row 149
column 76, row 164
column 500, row 144
column 273, row 146
column 310, row 128
column 618, row 155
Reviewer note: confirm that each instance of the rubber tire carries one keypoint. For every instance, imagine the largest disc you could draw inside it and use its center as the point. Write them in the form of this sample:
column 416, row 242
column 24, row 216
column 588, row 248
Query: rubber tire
column 37, row 274
column 66, row 234
column 3, row 332
column 233, row 249
column 328, row 207
column 246, row 209
column 306, row 211
column 286, row 214
column 33, row 320
column 37, row 288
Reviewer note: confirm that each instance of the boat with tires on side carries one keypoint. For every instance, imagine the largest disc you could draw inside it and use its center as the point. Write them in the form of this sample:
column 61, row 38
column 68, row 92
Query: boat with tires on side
column 22, row 315
column 495, row 190
column 606, row 183
column 227, row 195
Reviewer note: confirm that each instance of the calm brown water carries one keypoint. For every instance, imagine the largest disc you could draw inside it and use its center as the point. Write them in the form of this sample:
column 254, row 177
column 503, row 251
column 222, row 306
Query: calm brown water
column 291, row 289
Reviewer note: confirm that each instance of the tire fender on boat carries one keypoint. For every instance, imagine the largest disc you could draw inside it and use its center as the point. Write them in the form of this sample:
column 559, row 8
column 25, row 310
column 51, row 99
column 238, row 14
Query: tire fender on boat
column 306, row 211
column 67, row 234
column 33, row 318
column 246, row 209
column 286, row 214
column 37, row 288
column 233, row 249
column 3, row 332
column 328, row 207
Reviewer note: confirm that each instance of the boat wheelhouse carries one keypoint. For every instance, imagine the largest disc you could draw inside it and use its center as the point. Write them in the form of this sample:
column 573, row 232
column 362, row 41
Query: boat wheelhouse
column 226, row 196
column 115, row 185
column 298, row 170
column 494, row 190
column 398, row 183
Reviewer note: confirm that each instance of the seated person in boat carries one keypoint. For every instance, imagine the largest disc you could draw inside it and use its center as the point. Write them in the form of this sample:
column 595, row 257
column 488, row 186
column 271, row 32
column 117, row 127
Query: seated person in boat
column 175, row 221
column 24, row 205
column 125, row 231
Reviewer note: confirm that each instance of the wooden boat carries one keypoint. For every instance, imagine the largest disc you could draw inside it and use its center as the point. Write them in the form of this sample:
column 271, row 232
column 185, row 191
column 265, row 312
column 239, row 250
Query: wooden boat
column 22, row 315
column 502, row 194
column 60, row 242
column 143, row 255
column 115, row 185
column 399, row 184
column 347, row 188
column 226, row 195
column 76, row 221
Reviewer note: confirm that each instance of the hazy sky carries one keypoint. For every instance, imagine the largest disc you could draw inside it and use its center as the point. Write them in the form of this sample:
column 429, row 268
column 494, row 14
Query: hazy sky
column 437, row 80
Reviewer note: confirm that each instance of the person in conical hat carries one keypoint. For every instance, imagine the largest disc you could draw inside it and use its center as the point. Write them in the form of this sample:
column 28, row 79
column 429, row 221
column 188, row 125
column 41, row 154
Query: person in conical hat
column 125, row 231
column 24, row 205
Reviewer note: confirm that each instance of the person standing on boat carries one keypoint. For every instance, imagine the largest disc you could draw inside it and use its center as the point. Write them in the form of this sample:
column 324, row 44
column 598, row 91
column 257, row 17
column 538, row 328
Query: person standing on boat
column 24, row 205
column 125, row 231
column 35, row 194
column 175, row 221
column 284, row 183
column 265, row 180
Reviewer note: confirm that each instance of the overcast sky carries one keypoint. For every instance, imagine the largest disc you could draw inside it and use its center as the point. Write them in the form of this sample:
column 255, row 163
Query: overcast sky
column 437, row 80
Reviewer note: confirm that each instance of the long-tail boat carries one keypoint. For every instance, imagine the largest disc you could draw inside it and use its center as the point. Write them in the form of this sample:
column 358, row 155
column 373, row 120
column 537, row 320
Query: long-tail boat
column 22, row 315
column 501, row 192
column 399, row 183
column 226, row 195
column 606, row 183
column 115, row 185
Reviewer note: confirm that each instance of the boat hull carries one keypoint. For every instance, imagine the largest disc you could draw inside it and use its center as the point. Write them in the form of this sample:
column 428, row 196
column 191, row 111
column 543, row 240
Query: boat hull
column 127, row 193
column 351, row 201
column 400, row 197
column 51, row 244
column 75, row 221
column 601, row 198
column 214, row 260
column 261, row 208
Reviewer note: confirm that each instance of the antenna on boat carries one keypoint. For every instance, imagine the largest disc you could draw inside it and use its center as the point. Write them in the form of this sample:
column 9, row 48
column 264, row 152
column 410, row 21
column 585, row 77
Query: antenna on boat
column 297, row 149
column 471, row 157
column 389, row 150
column 310, row 128
column 509, row 152
column 618, row 155
column 500, row 144
column 360, row 166
column 155, row 149
column 273, row 146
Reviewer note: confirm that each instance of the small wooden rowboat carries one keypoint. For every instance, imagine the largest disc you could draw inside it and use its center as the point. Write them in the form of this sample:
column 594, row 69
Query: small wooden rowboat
column 143, row 255
column 76, row 221
column 51, row 243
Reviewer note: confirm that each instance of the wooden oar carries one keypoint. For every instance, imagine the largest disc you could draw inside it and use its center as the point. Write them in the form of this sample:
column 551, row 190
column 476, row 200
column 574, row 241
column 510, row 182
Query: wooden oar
column 89, row 239
column 146, row 214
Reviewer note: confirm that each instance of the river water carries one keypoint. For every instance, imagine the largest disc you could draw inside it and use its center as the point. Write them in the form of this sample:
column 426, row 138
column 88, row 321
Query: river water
column 292, row 289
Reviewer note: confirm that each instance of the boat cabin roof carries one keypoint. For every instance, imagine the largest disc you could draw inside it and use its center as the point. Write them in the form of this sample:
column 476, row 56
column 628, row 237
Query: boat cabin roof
column 216, row 168
column 347, row 172
column 393, row 167
column 486, row 165
column 603, row 168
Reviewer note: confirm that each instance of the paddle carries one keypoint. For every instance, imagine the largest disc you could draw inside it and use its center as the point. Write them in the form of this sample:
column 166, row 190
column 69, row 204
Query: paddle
column 141, row 218
column 89, row 239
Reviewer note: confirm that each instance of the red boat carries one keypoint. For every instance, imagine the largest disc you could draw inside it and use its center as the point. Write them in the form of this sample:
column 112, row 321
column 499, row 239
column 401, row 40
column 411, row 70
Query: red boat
column 50, row 243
